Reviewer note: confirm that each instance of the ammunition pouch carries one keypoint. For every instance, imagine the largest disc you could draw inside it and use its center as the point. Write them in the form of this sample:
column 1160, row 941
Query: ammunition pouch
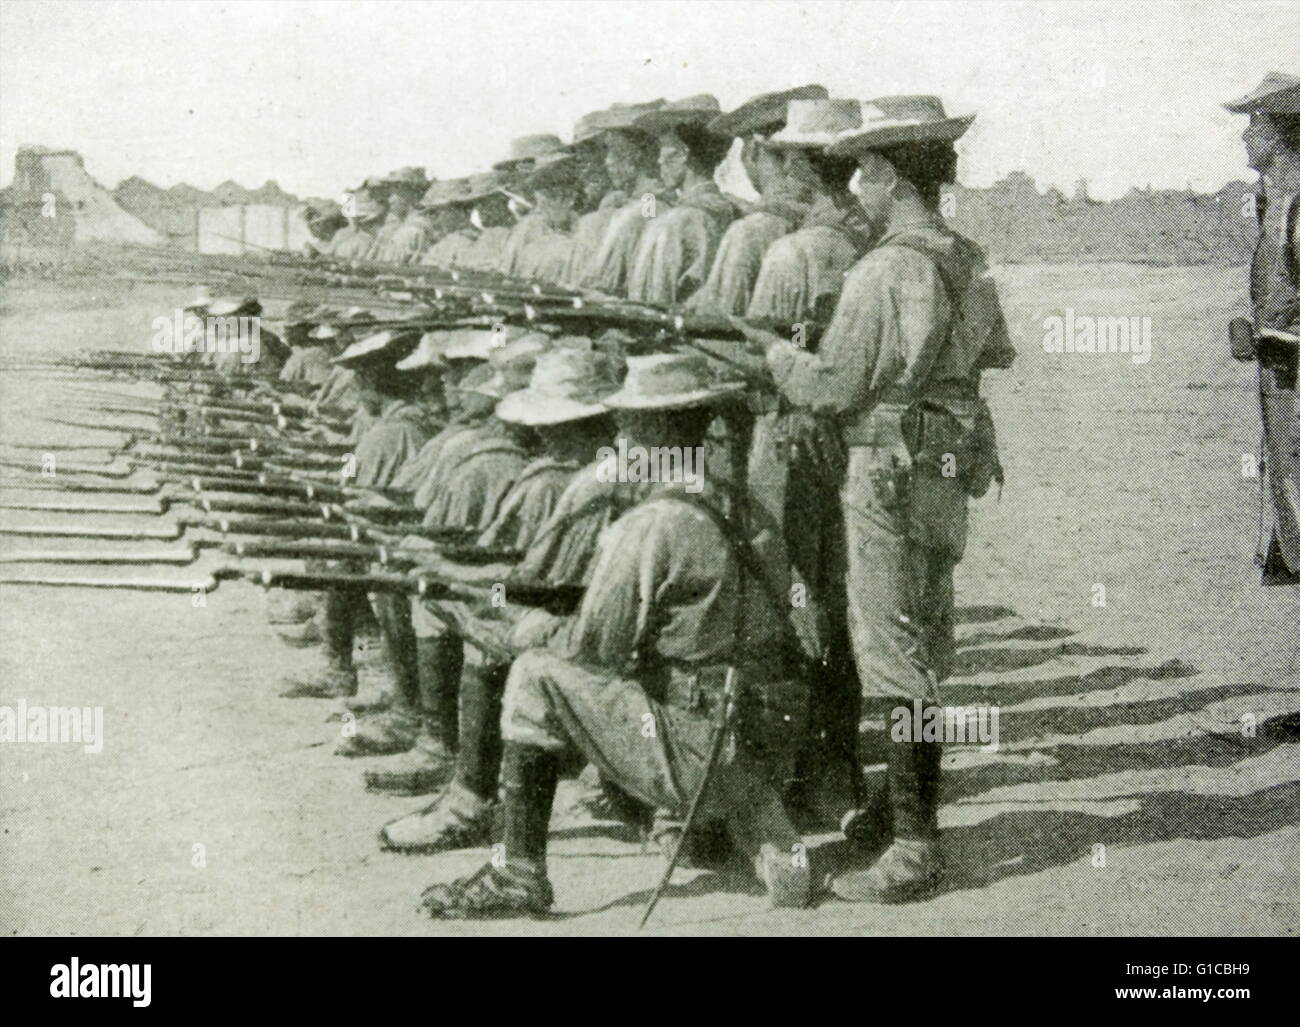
column 773, row 705
column 953, row 438
column 931, row 453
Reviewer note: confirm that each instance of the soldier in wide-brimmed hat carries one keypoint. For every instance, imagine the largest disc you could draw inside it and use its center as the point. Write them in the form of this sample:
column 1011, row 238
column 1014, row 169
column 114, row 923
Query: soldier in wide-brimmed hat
column 356, row 239
column 650, row 644
column 616, row 165
column 631, row 160
column 1273, row 150
column 539, row 246
column 782, row 201
column 265, row 360
column 562, row 404
column 406, row 231
column 451, row 205
column 470, row 479
column 899, row 366
column 399, row 427
column 676, row 250
column 309, row 359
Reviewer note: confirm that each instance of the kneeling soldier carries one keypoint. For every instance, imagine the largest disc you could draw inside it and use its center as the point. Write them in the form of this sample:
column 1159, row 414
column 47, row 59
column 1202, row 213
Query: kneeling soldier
column 675, row 607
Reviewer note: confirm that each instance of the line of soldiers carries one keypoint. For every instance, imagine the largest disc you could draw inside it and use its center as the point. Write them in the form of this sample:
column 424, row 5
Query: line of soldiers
column 708, row 647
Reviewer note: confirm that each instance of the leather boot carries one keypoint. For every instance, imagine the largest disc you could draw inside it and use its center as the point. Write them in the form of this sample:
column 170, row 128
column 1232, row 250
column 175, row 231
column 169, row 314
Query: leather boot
column 912, row 867
column 336, row 681
column 517, row 885
column 424, row 768
column 440, row 663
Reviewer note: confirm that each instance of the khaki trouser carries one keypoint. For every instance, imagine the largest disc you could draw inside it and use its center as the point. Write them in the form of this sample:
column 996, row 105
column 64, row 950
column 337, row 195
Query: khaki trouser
column 900, row 593
column 655, row 751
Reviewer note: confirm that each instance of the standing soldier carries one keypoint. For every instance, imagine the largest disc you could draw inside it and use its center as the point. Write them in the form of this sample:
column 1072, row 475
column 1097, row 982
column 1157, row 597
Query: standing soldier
column 355, row 240
column 632, row 163
column 796, row 464
column 781, row 207
column 405, row 231
column 899, row 365
column 1273, row 149
column 676, row 249
column 597, row 201
column 451, row 206
column 540, row 245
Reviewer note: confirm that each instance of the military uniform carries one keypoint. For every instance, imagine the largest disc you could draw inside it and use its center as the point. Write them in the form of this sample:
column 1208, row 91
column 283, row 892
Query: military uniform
column 1275, row 299
column 677, row 247
column 587, row 236
column 351, row 242
column 731, row 279
column 485, row 252
column 405, row 242
column 452, row 249
column 608, row 269
column 648, row 646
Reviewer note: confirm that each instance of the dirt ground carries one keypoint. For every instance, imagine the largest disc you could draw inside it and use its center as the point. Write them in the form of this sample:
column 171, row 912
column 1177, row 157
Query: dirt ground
column 217, row 808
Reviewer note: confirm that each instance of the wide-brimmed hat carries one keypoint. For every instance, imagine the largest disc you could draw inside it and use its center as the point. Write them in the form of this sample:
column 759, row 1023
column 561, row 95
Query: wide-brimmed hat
column 567, row 384
column 817, row 124
column 322, row 210
column 558, row 170
column 764, row 113
column 341, row 322
column 379, row 349
column 512, row 364
column 527, row 149
column 445, row 192
column 234, row 306
column 895, row 120
column 478, row 343
column 198, row 305
column 408, row 177
column 696, row 111
column 669, row 381
column 614, row 118
column 1279, row 93
column 302, row 313
column 427, row 353
column 463, row 190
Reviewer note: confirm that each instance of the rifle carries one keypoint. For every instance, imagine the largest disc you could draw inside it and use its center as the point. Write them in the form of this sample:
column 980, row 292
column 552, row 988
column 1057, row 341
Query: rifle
column 178, row 557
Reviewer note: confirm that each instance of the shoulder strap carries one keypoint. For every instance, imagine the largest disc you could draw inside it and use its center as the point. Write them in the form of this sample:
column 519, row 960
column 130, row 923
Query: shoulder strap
column 740, row 547
column 916, row 246
column 1289, row 217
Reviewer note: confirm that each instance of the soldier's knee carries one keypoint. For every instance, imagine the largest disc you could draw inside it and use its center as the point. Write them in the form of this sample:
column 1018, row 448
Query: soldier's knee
column 526, row 717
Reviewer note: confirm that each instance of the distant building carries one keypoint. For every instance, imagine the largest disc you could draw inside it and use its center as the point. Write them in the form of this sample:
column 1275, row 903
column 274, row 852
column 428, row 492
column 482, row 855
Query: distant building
column 54, row 204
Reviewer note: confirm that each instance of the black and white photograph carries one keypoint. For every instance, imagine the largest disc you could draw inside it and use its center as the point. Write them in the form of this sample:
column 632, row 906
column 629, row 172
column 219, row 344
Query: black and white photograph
column 579, row 468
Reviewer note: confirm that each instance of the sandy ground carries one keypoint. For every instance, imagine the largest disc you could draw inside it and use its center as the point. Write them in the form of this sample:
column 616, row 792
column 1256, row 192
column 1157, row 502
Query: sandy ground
column 217, row 808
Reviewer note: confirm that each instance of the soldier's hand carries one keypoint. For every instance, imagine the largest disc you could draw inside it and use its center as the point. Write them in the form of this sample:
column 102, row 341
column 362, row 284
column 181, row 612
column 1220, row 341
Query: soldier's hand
column 759, row 339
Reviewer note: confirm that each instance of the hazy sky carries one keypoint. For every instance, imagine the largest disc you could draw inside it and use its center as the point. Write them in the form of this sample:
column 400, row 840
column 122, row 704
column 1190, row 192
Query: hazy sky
column 317, row 95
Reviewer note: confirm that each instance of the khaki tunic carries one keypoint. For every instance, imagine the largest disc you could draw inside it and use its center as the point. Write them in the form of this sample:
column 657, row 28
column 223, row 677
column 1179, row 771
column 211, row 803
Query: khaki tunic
column 740, row 255
column 676, row 249
column 893, row 328
column 351, row 242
